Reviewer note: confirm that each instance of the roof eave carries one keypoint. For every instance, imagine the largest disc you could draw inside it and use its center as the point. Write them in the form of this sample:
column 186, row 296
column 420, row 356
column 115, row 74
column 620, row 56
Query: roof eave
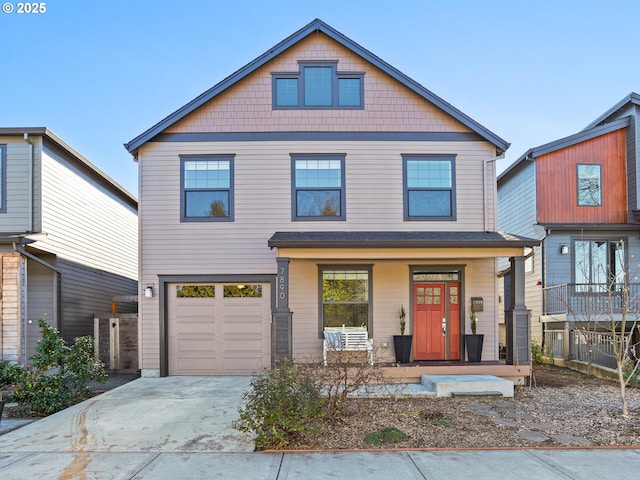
column 628, row 99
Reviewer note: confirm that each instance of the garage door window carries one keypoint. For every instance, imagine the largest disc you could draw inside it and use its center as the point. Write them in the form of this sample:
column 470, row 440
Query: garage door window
column 243, row 291
column 195, row 291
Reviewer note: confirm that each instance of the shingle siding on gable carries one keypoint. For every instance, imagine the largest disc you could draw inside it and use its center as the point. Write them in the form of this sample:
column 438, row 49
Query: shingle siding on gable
column 388, row 106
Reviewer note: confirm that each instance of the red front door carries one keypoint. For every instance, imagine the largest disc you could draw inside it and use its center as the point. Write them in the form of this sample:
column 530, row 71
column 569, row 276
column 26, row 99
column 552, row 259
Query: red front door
column 436, row 321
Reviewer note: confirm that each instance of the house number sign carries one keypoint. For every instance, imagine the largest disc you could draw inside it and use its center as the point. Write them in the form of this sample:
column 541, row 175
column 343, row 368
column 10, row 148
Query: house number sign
column 283, row 283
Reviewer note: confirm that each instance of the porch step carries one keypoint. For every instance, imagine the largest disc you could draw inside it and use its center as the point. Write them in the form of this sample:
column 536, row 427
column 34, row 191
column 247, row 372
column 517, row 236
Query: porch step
column 446, row 385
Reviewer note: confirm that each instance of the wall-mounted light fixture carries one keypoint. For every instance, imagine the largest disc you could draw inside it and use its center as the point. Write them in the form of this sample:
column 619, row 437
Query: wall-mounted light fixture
column 564, row 249
column 148, row 291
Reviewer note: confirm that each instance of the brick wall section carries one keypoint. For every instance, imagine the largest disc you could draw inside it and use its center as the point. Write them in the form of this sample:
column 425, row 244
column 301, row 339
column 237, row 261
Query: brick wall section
column 10, row 301
column 247, row 105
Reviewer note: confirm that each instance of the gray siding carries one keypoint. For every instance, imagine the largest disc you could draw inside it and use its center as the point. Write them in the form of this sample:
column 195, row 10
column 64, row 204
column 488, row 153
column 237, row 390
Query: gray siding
column 559, row 268
column 41, row 301
column 94, row 237
column 22, row 213
column 517, row 202
column 517, row 215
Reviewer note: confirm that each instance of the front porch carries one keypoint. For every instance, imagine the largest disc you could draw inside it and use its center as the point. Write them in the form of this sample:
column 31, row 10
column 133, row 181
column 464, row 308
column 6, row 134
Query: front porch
column 412, row 372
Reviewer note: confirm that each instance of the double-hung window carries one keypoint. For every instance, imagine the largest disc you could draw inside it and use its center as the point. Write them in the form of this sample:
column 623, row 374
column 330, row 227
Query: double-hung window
column 598, row 264
column 206, row 188
column 3, row 178
column 318, row 85
column 345, row 296
column 589, row 185
column 318, row 187
column 429, row 187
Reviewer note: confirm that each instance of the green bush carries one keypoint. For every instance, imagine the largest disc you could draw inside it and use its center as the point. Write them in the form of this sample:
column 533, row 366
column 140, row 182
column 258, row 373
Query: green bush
column 57, row 375
column 280, row 405
column 386, row 435
column 8, row 373
column 536, row 352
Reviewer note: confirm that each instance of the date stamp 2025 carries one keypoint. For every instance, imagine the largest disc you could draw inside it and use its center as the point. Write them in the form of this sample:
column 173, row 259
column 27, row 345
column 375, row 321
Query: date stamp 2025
column 24, row 7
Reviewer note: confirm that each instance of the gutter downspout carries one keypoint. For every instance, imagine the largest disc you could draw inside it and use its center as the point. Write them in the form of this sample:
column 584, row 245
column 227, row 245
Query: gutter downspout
column 30, row 176
column 485, row 202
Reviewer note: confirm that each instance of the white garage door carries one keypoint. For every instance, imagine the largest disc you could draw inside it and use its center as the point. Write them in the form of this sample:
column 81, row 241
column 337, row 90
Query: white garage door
column 218, row 329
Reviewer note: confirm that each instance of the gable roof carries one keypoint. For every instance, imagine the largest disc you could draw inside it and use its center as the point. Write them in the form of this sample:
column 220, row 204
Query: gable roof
column 561, row 143
column 632, row 98
column 80, row 162
column 316, row 25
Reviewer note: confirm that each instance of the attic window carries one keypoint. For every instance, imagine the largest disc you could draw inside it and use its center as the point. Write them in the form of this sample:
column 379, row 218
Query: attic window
column 318, row 85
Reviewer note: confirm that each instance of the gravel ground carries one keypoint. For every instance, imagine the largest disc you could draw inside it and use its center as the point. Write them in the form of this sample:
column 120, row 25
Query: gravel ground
column 566, row 408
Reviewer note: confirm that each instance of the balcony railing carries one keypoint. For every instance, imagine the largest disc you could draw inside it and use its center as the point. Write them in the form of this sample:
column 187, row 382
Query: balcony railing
column 594, row 299
column 584, row 346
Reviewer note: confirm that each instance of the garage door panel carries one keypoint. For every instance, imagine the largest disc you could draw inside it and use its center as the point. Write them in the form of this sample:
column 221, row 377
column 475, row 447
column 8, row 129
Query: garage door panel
column 243, row 328
column 218, row 335
column 243, row 365
column 195, row 345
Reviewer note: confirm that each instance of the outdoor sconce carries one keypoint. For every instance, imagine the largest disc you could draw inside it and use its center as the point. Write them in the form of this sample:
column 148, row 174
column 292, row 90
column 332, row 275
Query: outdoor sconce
column 148, row 291
column 564, row 249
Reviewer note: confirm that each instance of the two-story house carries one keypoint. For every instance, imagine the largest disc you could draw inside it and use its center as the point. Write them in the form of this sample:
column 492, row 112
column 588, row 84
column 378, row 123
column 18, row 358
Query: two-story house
column 580, row 196
column 68, row 241
column 316, row 187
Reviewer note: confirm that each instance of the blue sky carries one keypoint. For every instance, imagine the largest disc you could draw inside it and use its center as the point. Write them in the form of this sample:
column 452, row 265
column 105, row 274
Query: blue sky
column 98, row 73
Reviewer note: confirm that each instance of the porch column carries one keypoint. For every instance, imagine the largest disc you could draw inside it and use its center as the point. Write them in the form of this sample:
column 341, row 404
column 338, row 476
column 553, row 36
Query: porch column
column 282, row 316
column 518, row 318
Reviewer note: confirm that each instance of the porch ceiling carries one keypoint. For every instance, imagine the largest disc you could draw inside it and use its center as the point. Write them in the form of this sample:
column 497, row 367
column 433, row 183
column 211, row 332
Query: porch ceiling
column 399, row 245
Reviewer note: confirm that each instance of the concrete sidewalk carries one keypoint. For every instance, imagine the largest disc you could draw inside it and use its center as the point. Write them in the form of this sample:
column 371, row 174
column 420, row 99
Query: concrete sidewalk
column 431, row 465
column 180, row 428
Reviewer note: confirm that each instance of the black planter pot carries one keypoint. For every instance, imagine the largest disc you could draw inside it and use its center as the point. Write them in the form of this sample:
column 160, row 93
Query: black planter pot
column 1, row 408
column 473, row 343
column 402, row 346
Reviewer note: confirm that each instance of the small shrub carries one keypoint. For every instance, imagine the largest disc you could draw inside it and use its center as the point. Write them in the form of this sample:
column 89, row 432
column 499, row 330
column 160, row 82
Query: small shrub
column 279, row 406
column 345, row 375
column 436, row 418
column 57, row 375
column 441, row 422
column 536, row 352
column 386, row 435
column 8, row 373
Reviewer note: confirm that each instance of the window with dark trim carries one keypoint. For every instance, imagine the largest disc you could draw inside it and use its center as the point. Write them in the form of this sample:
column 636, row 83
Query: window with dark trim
column 3, row 178
column 429, row 187
column 318, row 187
column 318, row 85
column 598, row 264
column 345, row 296
column 589, row 185
column 206, row 183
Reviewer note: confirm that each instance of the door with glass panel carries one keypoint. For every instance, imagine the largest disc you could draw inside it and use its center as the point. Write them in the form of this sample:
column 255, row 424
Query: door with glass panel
column 436, row 321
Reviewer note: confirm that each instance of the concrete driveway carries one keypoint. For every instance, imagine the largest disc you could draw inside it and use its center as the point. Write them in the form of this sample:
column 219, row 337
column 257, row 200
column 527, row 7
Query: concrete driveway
column 180, row 428
column 171, row 414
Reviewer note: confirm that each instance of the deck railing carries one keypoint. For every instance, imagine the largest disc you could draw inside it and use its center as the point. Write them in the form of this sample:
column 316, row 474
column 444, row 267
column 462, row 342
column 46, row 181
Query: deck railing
column 593, row 299
column 585, row 346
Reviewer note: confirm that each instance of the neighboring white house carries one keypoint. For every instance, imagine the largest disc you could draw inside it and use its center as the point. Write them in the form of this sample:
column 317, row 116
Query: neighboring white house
column 317, row 187
column 68, row 240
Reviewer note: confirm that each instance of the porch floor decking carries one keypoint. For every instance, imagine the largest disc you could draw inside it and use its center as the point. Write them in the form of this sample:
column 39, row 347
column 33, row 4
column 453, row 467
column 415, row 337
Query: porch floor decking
column 411, row 373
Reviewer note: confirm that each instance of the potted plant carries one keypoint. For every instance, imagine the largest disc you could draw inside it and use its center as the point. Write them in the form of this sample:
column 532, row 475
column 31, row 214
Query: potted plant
column 473, row 342
column 402, row 342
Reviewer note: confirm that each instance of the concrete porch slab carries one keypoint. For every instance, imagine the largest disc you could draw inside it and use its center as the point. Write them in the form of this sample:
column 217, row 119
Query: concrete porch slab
column 446, row 385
